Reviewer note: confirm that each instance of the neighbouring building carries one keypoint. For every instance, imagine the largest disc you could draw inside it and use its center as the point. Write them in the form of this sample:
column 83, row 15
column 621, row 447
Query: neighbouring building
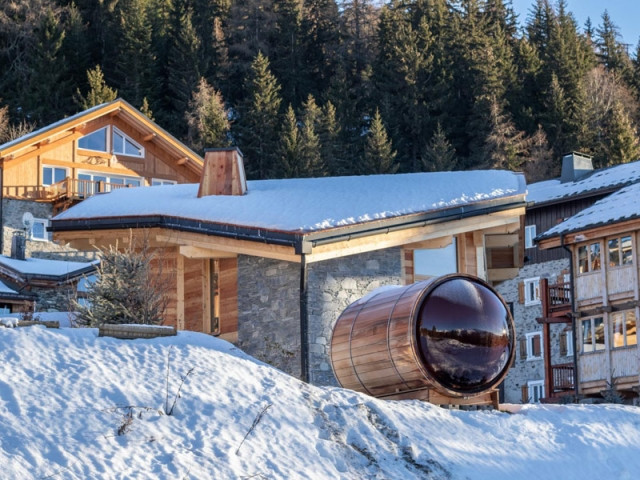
column 271, row 264
column 540, row 293
column 101, row 149
column 603, row 244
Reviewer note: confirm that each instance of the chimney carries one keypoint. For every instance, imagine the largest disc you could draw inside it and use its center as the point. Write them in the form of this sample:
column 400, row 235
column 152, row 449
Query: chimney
column 19, row 246
column 223, row 173
column 575, row 166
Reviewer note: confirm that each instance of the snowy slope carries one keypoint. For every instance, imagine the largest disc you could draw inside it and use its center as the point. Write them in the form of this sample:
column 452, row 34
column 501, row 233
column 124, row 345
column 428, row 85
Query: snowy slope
column 60, row 391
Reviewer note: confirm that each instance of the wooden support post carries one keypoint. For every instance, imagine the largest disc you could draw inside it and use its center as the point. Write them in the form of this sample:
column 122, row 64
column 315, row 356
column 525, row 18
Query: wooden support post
column 546, row 338
column 180, row 291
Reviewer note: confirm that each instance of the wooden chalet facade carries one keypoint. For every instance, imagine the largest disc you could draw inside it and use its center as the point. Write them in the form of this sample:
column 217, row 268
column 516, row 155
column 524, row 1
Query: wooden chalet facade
column 605, row 294
column 104, row 148
column 270, row 265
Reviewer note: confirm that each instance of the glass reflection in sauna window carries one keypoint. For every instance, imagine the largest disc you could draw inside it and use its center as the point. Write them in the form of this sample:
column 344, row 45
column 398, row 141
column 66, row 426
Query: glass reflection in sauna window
column 624, row 329
column 620, row 251
column 589, row 258
column 592, row 335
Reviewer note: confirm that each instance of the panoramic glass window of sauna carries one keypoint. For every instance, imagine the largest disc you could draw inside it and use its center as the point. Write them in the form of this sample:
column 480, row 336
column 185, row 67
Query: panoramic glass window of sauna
column 96, row 141
column 434, row 262
column 620, row 251
column 592, row 335
column 624, row 329
column 589, row 258
column 51, row 175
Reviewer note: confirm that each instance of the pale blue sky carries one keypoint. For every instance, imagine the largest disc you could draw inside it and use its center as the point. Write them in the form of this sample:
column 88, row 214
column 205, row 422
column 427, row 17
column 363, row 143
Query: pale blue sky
column 624, row 13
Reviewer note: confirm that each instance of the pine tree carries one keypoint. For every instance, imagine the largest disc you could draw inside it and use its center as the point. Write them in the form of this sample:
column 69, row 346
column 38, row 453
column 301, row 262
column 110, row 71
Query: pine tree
column 622, row 144
column 505, row 146
column 99, row 92
column 610, row 53
column 256, row 129
column 332, row 151
column 439, row 156
column 288, row 164
column 145, row 109
column 379, row 156
column 126, row 289
column 207, row 118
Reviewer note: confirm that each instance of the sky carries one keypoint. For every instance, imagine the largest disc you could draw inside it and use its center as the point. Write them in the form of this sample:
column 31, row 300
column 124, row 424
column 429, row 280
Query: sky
column 74, row 405
column 624, row 14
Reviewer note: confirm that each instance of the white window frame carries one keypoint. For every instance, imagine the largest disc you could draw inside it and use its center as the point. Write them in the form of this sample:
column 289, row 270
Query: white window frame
column 530, row 353
column 155, row 182
column 529, row 235
column 532, row 291
column 125, row 137
column 534, row 386
column 53, row 176
column 569, row 342
column 107, row 140
column 45, row 223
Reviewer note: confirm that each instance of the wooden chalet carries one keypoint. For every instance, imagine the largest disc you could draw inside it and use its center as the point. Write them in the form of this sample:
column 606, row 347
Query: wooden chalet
column 605, row 292
column 101, row 149
column 271, row 264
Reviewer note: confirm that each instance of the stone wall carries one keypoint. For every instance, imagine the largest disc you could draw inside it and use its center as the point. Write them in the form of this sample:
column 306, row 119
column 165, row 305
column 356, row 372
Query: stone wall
column 335, row 284
column 269, row 311
column 12, row 211
column 269, row 305
column 526, row 370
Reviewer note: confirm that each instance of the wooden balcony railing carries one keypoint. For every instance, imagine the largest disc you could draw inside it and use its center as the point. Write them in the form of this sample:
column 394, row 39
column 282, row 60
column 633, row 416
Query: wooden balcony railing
column 563, row 378
column 67, row 189
column 558, row 297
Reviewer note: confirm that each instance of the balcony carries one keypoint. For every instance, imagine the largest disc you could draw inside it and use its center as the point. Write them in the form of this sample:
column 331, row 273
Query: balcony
column 563, row 378
column 558, row 299
column 62, row 194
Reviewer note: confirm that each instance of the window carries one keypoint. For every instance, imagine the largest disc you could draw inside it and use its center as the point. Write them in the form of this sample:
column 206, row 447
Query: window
column 624, row 329
column 95, row 141
column 592, row 335
column 123, row 145
column 433, row 262
column 620, row 251
column 39, row 230
column 97, row 182
column 535, row 390
column 532, row 291
column 159, row 181
column 566, row 344
column 534, row 346
column 589, row 258
column 529, row 235
column 51, row 175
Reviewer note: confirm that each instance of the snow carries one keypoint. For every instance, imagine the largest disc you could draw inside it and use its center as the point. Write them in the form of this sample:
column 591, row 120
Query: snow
column 40, row 266
column 4, row 288
column 619, row 206
column 606, row 178
column 308, row 204
column 64, row 395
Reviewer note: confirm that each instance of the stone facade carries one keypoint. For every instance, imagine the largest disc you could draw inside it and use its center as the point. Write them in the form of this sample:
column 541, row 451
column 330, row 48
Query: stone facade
column 269, row 305
column 269, row 311
column 334, row 285
column 524, row 369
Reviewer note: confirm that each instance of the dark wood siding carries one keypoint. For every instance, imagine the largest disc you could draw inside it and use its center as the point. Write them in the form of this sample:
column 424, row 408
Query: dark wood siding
column 546, row 217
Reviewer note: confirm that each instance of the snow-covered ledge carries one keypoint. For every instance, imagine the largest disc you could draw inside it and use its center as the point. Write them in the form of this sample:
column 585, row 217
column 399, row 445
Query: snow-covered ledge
column 135, row 330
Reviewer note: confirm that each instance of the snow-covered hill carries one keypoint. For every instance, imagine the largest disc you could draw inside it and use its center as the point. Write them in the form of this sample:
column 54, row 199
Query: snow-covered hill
column 75, row 406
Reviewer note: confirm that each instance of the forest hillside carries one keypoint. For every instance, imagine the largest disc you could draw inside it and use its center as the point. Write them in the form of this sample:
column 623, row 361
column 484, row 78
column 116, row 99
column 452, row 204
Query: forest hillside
column 334, row 87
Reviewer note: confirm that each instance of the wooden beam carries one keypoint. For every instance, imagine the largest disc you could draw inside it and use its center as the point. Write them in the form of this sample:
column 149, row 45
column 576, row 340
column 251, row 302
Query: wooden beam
column 439, row 242
column 182, row 161
column 149, row 137
column 35, row 151
column 498, row 241
column 413, row 235
column 500, row 274
column 180, row 291
column 190, row 251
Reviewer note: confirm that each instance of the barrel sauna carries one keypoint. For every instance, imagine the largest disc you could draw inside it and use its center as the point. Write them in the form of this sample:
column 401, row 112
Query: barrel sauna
column 448, row 340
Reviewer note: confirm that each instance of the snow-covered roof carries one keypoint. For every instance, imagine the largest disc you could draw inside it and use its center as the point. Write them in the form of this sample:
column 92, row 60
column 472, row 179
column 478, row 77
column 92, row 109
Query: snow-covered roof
column 604, row 179
column 44, row 267
column 309, row 204
column 617, row 207
column 6, row 290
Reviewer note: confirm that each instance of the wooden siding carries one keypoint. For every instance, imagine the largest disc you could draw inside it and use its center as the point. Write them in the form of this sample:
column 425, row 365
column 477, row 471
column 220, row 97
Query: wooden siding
column 620, row 280
column 546, row 217
column 228, row 295
column 194, row 293
column 589, row 286
column 592, row 366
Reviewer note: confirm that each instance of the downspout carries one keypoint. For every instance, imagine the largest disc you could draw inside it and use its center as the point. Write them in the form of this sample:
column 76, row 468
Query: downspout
column 574, row 333
column 304, row 320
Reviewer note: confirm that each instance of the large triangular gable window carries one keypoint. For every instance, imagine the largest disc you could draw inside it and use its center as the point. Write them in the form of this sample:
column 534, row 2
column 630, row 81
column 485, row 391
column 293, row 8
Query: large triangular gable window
column 123, row 145
column 95, row 141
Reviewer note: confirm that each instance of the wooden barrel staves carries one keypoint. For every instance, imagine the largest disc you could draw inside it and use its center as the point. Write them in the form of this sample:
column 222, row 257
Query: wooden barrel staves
column 449, row 337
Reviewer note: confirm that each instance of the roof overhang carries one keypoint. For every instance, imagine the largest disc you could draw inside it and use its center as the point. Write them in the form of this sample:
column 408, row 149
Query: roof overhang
column 587, row 233
column 315, row 245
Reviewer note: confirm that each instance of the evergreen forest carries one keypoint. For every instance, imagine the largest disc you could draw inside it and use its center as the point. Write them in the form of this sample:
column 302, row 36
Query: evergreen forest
column 334, row 87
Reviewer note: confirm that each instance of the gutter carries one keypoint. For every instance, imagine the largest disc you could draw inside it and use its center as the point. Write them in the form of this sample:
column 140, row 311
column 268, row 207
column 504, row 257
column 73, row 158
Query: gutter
column 303, row 243
column 574, row 332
